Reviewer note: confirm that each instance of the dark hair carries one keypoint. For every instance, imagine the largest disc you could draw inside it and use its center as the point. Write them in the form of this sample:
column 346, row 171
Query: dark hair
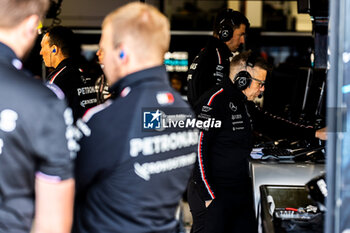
column 65, row 39
column 236, row 18
column 263, row 64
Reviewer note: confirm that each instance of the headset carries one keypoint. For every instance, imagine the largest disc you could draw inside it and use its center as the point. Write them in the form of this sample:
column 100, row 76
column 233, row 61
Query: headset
column 226, row 26
column 243, row 79
column 54, row 50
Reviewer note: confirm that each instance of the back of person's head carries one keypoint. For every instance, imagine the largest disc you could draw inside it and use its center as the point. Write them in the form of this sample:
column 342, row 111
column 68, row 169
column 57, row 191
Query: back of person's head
column 65, row 39
column 13, row 12
column 249, row 62
column 229, row 18
column 142, row 27
column 248, row 59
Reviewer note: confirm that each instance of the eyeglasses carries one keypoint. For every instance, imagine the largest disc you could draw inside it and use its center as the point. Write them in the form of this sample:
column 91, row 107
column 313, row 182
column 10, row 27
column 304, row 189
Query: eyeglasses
column 261, row 83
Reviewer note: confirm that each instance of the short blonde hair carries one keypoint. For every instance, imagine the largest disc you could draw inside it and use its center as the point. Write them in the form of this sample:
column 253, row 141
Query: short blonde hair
column 13, row 12
column 239, row 63
column 142, row 25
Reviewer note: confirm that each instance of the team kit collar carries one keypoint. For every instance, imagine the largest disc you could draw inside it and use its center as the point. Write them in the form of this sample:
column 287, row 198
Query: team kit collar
column 155, row 73
column 63, row 65
column 60, row 66
column 216, row 43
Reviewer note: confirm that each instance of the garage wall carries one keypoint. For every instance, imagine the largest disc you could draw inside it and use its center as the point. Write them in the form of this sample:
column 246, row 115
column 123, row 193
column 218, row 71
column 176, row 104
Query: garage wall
column 89, row 13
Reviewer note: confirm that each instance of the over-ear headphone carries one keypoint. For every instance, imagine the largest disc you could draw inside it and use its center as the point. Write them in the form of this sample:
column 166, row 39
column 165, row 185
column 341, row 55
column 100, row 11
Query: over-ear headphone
column 226, row 27
column 122, row 54
column 243, row 79
column 54, row 50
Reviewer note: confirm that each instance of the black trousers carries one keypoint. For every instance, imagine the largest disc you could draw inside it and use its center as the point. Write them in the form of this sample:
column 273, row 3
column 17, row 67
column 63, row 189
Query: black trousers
column 232, row 211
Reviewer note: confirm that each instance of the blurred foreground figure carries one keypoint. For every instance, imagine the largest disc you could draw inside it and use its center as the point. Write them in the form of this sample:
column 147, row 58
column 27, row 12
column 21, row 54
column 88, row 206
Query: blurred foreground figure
column 133, row 169
column 36, row 171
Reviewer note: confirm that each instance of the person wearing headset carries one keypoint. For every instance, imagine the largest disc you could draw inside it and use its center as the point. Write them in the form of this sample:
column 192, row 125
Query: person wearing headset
column 220, row 191
column 60, row 51
column 212, row 63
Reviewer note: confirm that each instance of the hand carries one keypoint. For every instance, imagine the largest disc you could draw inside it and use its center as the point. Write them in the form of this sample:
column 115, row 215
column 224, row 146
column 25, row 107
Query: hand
column 207, row 203
column 321, row 133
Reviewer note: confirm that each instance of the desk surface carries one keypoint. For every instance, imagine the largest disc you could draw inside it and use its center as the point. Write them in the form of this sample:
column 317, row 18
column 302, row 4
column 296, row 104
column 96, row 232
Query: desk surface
column 274, row 173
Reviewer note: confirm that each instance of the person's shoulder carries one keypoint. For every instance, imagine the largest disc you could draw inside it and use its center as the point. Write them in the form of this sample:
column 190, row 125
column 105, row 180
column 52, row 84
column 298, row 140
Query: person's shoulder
column 70, row 69
column 38, row 92
column 210, row 49
column 29, row 96
column 211, row 97
column 23, row 84
column 91, row 112
column 69, row 77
